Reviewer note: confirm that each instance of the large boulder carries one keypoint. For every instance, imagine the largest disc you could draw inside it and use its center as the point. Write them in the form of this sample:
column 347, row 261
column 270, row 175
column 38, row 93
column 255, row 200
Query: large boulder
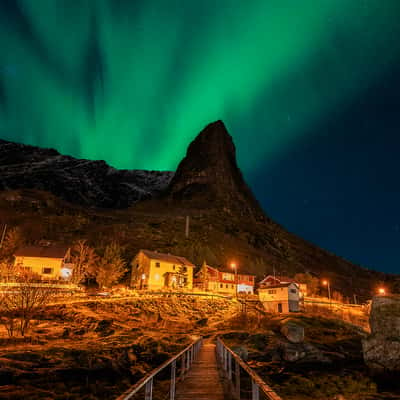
column 293, row 331
column 382, row 348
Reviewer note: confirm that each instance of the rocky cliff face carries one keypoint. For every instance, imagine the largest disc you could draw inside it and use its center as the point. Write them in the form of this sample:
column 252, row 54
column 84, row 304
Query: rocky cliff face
column 382, row 348
column 89, row 183
column 209, row 175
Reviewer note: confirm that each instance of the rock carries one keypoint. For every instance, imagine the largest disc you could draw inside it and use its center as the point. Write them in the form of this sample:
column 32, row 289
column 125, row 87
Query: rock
column 66, row 333
column 104, row 327
column 381, row 349
column 293, row 332
column 202, row 322
column 304, row 352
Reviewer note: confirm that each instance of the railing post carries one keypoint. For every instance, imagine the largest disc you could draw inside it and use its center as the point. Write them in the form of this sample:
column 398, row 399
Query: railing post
column 254, row 390
column 225, row 359
column 230, row 366
column 149, row 390
column 183, row 366
column 173, row 375
column 188, row 360
column 237, row 380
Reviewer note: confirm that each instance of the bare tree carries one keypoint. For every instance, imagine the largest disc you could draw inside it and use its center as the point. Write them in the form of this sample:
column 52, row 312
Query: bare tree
column 84, row 259
column 20, row 303
column 111, row 266
column 7, row 271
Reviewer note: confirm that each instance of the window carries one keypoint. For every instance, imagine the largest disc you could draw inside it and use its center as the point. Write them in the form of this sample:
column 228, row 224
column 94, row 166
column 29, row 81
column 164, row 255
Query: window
column 271, row 291
column 221, row 285
column 226, row 286
column 47, row 271
column 137, row 266
column 227, row 277
column 157, row 265
column 233, row 286
column 173, row 267
column 184, row 269
column 293, row 291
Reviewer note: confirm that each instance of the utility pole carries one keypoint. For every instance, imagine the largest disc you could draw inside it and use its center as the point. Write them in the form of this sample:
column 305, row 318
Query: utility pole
column 187, row 227
column 3, row 235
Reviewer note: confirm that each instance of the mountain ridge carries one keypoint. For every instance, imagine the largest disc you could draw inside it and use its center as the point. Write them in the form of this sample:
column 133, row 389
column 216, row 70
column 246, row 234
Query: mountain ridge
column 79, row 181
column 226, row 221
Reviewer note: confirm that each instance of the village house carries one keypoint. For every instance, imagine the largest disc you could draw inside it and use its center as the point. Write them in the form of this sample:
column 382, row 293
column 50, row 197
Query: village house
column 47, row 261
column 272, row 280
column 154, row 271
column 224, row 282
column 280, row 298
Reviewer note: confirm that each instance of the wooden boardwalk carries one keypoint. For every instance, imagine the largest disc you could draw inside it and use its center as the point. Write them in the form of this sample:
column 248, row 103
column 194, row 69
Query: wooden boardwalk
column 203, row 382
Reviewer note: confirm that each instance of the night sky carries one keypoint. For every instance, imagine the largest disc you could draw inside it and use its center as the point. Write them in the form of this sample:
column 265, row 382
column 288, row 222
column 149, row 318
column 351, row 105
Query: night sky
column 310, row 91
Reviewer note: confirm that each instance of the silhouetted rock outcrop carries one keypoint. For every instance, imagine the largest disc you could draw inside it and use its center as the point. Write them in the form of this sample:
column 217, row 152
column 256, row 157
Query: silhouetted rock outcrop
column 209, row 175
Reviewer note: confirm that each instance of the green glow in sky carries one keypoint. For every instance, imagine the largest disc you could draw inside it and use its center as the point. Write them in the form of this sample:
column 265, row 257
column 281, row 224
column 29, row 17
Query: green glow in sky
column 133, row 82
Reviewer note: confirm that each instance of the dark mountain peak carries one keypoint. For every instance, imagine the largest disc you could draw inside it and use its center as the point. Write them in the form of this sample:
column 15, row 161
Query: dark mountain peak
column 209, row 175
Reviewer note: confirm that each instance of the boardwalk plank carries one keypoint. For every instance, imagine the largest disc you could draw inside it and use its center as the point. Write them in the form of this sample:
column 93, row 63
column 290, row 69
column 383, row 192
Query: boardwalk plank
column 203, row 381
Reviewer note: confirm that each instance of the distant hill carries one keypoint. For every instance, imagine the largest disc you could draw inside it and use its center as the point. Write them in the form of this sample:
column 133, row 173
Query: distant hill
column 226, row 221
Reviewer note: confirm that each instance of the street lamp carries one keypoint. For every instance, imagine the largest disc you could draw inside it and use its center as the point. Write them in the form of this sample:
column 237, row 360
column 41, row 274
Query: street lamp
column 382, row 291
column 142, row 281
column 234, row 266
column 326, row 283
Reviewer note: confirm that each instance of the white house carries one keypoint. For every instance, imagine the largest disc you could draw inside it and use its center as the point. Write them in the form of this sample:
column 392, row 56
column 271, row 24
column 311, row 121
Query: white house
column 281, row 298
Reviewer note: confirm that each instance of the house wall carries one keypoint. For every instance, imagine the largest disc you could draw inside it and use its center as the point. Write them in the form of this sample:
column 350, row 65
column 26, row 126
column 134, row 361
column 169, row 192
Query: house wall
column 273, row 294
column 273, row 306
column 287, row 296
column 37, row 265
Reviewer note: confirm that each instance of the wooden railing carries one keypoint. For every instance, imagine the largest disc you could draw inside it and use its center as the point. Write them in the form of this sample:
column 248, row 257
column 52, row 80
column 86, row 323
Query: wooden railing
column 232, row 366
column 186, row 357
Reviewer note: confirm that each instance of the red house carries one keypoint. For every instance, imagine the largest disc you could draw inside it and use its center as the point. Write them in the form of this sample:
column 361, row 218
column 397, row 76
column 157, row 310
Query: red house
column 223, row 281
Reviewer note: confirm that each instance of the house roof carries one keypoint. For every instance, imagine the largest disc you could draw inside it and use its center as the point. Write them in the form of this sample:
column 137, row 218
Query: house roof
column 280, row 285
column 232, row 271
column 170, row 258
column 42, row 251
column 278, row 278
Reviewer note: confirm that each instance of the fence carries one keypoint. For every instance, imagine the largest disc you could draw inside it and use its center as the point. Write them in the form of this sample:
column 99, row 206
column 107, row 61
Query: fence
column 243, row 386
column 186, row 357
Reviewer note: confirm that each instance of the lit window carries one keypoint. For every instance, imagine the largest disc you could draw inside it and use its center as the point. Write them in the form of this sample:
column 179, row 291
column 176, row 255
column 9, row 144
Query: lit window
column 47, row 271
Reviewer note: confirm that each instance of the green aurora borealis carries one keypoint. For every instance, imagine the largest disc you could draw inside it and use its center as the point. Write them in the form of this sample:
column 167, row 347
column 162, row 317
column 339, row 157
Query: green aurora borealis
column 309, row 89
column 132, row 82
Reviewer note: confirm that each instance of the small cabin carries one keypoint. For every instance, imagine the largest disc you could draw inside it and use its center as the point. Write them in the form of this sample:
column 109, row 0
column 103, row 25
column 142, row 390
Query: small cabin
column 48, row 262
column 155, row 271
column 281, row 298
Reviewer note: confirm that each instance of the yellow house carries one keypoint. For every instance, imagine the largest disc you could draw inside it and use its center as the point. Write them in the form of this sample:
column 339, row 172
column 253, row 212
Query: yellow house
column 281, row 298
column 154, row 271
column 49, row 262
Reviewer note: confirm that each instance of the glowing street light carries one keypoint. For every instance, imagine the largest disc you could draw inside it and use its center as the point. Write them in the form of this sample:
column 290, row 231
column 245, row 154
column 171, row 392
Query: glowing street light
column 234, row 266
column 381, row 291
column 325, row 282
